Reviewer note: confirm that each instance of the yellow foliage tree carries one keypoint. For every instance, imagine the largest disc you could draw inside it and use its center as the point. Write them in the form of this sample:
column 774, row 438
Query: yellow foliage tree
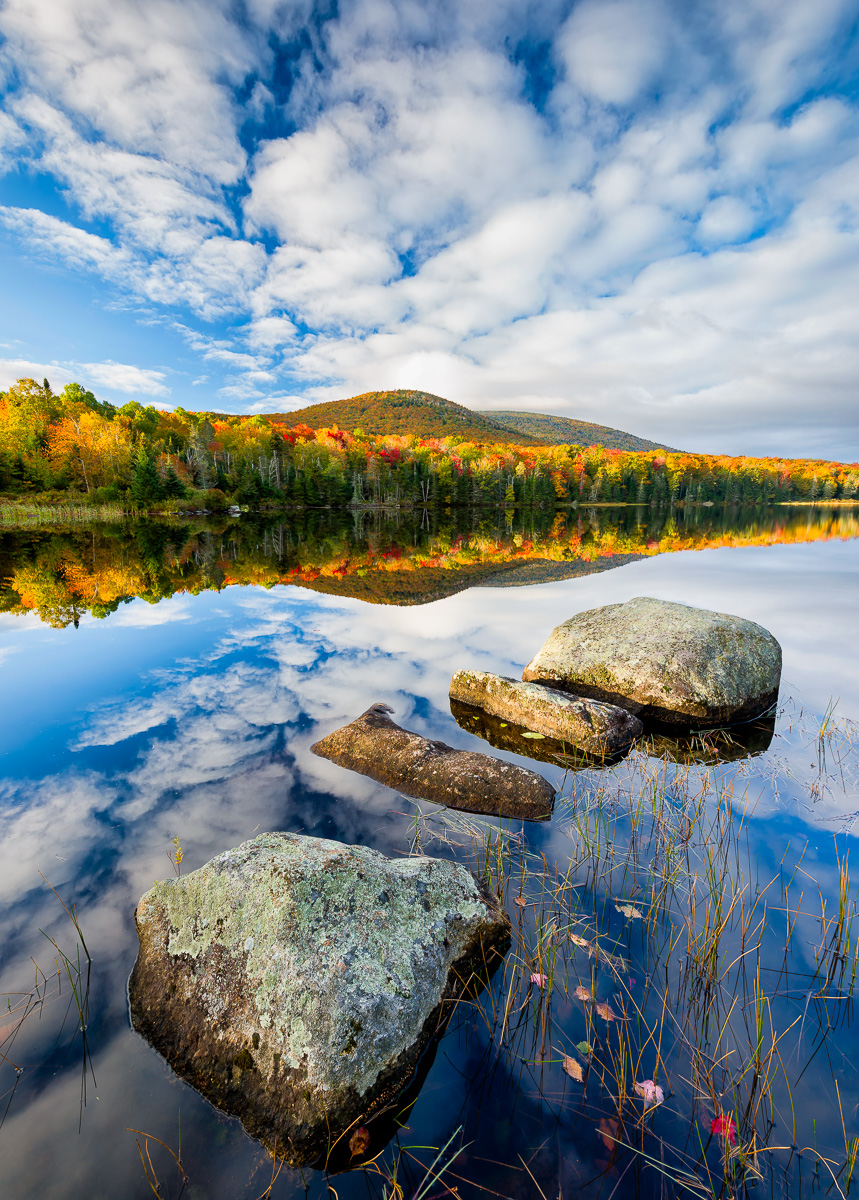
column 96, row 451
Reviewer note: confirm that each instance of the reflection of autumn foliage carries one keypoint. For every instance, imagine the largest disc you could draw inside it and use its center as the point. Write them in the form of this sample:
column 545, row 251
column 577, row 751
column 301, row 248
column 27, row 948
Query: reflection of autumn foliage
column 66, row 574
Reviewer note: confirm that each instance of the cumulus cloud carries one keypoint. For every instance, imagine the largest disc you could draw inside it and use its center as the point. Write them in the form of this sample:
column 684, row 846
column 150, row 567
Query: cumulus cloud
column 123, row 377
column 629, row 212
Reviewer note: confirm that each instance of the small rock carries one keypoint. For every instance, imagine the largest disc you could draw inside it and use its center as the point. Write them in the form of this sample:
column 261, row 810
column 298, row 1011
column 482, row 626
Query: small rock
column 664, row 661
column 429, row 770
column 316, row 1027
column 600, row 730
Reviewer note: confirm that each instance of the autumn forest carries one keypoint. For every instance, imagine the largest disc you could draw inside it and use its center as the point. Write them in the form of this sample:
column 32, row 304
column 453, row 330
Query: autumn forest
column 56, row 447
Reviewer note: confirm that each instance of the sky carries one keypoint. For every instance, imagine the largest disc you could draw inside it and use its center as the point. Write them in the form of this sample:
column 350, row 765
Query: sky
column 636, row 212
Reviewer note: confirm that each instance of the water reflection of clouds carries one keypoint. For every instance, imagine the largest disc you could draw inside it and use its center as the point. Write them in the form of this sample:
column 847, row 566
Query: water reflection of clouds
column 143, row 615
column 215, row 746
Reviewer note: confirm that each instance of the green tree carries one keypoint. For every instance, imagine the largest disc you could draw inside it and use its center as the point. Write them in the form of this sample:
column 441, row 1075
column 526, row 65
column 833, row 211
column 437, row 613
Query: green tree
column 146, row 485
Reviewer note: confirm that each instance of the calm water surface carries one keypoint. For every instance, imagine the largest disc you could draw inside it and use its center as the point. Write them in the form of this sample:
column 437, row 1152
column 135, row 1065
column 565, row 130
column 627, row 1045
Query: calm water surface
column 192, row 717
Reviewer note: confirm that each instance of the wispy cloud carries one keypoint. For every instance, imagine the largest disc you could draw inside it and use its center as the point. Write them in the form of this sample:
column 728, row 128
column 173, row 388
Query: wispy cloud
column 115, row 376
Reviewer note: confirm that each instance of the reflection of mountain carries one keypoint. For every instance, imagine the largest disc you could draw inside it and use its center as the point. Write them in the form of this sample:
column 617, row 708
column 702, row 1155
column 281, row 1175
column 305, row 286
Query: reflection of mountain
column 425, row 584
column 413, row 559
column 545, row 570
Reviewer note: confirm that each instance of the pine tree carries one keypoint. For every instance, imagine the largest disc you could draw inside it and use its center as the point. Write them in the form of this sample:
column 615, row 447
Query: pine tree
column 146, row 485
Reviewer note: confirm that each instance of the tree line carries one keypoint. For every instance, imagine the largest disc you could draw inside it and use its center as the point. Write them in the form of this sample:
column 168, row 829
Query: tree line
column 58, row 445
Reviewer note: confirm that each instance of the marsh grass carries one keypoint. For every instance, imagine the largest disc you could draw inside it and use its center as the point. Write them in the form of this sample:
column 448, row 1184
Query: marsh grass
column 671, row 958
column 24, row 515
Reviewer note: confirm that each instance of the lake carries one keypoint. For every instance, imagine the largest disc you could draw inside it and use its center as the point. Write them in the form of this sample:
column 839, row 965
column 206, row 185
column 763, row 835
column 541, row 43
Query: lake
column 166, row 681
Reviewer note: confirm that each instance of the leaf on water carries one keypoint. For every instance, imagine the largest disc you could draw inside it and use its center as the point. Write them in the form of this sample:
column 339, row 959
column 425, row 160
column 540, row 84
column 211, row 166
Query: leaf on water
column 605, row 1011
column 573, row 1068
column 584, row 1049
column 630, row 911
column 578, row 940
column 608, row 1132
column 725, row 1126
column 583, row 993
column 651, row 1093
column 540, row 980
column 520, row 901
column 529, row 734
column 359, row 1142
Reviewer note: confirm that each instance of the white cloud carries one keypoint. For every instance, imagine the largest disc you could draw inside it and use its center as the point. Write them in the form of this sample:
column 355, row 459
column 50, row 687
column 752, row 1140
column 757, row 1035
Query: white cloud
column 613, row 48
column 427, row 225
column 118, row 377
column 725, row 219
column 123, row 377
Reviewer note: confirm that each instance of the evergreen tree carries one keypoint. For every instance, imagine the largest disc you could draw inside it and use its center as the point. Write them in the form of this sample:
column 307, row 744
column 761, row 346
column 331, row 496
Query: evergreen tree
column 146, row 485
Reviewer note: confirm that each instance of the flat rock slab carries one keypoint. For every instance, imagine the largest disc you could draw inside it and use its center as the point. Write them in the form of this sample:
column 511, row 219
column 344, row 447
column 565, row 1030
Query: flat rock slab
column 664, row 661
column 296, row 981
column 598, row 729
column 430, row 770
column 516, row 739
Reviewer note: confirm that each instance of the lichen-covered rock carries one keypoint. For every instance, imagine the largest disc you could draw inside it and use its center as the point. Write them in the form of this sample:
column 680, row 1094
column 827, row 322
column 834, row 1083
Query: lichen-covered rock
column 599, row 730
column 429, row 770
column 664, row 661
column 296, row 981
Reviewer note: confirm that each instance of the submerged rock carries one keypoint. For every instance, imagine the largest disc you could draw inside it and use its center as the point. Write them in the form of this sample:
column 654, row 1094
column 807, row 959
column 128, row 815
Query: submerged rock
column 516, row 739
column 599, row 730
column 429, row 770
column 664, row 661
column 297, row 981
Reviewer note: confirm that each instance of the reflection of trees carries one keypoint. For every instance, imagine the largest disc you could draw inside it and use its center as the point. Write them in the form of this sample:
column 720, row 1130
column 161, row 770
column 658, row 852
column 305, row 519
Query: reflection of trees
column 384, row 559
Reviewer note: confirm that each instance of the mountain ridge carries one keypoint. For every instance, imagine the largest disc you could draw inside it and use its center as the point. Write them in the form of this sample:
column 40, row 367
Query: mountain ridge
column 405, row 411
column 558, row 429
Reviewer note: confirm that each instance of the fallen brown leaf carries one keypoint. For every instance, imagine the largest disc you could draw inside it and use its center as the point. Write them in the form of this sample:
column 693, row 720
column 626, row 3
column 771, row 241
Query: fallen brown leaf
column 359, row 1142
column 578, row 940
column 608, row 1132
column 605, row 1011
column 520, row 901
column 582, row 993
column 573, row 1068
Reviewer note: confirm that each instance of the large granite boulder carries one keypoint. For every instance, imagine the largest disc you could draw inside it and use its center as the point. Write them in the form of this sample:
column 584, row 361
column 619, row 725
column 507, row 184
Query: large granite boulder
column 430, row 770
column 664, row 661
column 297, row 981
column 597, row 729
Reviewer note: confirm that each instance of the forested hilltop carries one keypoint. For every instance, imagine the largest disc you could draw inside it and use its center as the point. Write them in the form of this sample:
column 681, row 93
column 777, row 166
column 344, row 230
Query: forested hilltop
column 408, row 411
column 555, row 430
column 57, row 446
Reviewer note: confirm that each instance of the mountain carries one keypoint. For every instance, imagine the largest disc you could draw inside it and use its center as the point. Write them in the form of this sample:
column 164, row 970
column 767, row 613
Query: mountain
column 406, row 411
column 425, row 415
column 561, row 430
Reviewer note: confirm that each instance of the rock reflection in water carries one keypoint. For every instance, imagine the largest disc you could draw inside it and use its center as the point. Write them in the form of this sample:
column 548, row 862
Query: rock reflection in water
column 707, row 747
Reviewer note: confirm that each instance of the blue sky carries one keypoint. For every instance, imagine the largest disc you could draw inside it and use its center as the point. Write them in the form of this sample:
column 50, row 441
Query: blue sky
column 636, row 212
